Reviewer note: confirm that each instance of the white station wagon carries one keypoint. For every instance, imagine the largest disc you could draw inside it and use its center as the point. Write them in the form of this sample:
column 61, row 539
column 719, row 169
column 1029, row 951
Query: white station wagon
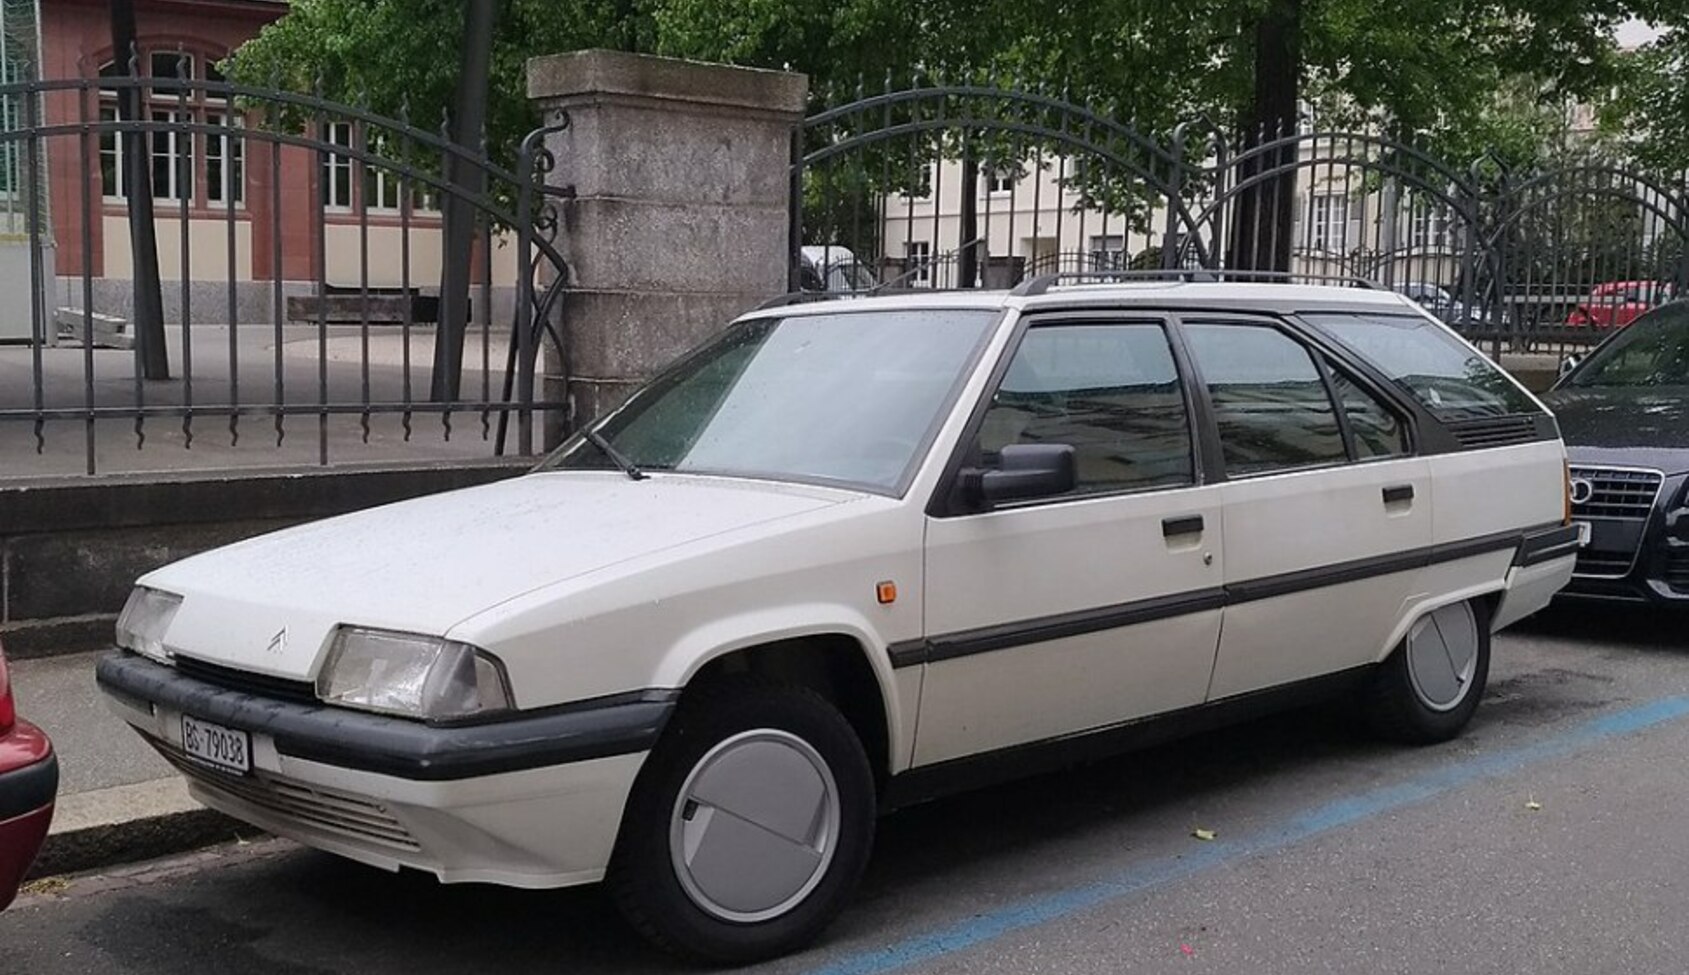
column 853, row 554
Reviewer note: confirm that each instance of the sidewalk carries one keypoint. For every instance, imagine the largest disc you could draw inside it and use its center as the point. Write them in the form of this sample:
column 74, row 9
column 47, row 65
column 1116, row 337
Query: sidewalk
column 118, row 800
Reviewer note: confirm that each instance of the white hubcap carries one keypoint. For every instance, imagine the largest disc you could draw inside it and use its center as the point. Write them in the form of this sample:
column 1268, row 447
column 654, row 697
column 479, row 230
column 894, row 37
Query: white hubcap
column 755, row 826
column 1442, row 656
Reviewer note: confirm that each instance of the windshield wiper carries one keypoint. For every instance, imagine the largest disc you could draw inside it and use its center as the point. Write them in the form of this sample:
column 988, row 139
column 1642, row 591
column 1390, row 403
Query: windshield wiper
column 628, row 467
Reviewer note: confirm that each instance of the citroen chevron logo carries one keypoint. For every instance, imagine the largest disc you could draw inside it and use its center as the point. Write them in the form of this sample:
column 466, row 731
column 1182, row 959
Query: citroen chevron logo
column 278, row 643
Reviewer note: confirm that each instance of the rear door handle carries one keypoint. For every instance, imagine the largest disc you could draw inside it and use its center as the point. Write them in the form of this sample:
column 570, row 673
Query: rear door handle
column 1187, row 525
column 1398, row 494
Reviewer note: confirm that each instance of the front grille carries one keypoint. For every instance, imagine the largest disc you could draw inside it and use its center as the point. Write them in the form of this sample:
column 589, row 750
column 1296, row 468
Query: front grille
column 310, row 807
column 1618, row 492
column 1494, row 431
column 258, row 685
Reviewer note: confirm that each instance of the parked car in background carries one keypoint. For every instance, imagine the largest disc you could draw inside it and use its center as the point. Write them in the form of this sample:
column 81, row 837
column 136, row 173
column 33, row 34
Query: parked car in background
column 29, row 782
column 1624, row 411
column 829, row 267
column 1616, row 304
column 853, row 554
column 1437, row 300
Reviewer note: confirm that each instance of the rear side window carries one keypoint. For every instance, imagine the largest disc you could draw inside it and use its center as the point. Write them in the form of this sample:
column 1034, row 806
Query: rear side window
column 1453, row 380
column 1377, row 430
column 1269, row 400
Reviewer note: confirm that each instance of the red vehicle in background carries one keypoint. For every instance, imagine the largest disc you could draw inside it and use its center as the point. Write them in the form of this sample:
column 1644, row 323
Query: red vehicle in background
column 29, row 781
column 1616, row 304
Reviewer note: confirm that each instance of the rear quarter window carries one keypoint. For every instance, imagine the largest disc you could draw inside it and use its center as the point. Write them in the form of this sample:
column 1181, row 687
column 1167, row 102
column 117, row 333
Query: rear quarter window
column 1453, row 380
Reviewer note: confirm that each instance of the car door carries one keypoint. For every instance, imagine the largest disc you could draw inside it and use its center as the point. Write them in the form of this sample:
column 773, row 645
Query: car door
column 1065, row 614
column 1327, row 512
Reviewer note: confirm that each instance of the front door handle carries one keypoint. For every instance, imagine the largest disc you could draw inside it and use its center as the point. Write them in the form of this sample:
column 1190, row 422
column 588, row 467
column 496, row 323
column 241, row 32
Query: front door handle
column 1186, row 525
column 1398, row 494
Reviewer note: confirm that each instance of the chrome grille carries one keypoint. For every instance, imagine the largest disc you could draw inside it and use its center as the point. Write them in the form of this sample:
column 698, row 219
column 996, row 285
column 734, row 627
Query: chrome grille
column 1497, row 431
column 1618, row 492
column 311, row 807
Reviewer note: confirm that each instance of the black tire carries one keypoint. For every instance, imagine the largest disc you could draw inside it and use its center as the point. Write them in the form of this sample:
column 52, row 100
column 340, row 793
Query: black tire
column 643, row 877
column 1394, row 708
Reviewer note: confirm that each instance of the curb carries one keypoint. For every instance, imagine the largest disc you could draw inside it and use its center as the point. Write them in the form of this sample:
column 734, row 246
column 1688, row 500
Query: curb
column 127, row 823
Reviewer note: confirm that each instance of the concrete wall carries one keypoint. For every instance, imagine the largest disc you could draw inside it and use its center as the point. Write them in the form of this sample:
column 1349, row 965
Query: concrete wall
column 70, row 551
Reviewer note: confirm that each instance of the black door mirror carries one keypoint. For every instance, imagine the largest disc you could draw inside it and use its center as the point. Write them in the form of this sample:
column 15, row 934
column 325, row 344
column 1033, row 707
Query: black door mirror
column 1023, row 472
column 1568, row 363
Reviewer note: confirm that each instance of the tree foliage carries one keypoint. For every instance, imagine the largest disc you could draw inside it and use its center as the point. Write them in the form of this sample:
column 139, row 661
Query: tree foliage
column 1426, row 67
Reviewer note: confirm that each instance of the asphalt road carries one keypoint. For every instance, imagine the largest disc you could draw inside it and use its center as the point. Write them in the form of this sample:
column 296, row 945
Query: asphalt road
column 1332, row 854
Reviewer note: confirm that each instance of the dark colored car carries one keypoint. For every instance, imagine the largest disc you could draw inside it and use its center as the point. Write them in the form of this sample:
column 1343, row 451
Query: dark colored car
column 29, row 781
column 1624, row 413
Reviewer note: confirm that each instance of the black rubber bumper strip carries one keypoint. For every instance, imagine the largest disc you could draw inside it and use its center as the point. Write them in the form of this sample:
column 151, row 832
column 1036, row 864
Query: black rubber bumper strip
column 600, row 728
column 29, row 789
column 1547, row 546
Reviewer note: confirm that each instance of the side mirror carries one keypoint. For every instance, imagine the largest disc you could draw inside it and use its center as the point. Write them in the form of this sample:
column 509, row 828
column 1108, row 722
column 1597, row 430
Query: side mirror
column 1024, row 472
column 1568, row 363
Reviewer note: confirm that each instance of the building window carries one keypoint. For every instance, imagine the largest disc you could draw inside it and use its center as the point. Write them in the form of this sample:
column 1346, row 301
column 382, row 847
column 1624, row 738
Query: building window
column 1330, row 226
column 1001, row 181
column 1108, row 252
column 172, row 157
column 337, row 167
column 176, row 151
column 917, row 262
column 225, row 160
column 1429, row 229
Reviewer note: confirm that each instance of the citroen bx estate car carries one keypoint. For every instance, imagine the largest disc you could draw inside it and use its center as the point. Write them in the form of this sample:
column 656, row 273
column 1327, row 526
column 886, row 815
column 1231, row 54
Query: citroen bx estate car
column 852, row 554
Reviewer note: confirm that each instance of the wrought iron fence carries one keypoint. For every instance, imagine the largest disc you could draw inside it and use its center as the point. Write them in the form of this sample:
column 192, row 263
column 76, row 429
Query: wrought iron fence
column 298, row 245
column 968, row 186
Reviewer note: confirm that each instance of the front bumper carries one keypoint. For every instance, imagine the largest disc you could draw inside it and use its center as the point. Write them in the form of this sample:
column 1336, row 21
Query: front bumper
column 533, row 800
column 1658, row 576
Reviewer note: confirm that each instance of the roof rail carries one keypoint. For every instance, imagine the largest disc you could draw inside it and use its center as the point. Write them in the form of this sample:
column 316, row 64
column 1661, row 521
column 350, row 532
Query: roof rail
column 1044, row 282
column 802, row 298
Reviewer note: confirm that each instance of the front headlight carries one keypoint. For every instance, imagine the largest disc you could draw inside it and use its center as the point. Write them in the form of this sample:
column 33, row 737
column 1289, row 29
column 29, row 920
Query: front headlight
column 412, row 675
column 144, row 619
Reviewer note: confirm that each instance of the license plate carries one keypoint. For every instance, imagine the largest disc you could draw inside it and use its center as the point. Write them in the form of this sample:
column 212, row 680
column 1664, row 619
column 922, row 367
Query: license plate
column 1585, row 532
column 215, row 745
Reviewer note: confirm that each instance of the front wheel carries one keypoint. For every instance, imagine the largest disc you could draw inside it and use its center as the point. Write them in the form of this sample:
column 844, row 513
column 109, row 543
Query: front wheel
column 749, row 825
column 1429, row 689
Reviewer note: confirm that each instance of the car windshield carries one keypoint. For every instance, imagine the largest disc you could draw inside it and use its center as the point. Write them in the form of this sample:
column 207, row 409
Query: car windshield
column 1453, row 380
column 1652, row 351
column 852, row 398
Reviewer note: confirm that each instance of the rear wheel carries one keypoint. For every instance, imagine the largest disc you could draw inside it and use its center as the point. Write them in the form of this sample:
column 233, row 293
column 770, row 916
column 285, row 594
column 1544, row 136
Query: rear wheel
column 1429, row 689
column 749, row 826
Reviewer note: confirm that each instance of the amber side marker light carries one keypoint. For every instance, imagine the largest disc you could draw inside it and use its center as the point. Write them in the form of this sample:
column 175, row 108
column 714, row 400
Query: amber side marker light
column 886, row 593
column 1566, row 486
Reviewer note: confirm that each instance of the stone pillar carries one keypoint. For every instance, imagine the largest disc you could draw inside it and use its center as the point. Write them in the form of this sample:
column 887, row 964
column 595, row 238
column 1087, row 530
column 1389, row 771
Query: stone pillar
column 680, row 178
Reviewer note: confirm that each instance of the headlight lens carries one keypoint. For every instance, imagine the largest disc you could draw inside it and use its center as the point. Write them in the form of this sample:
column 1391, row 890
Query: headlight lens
column 144, row 620
column 412, row 675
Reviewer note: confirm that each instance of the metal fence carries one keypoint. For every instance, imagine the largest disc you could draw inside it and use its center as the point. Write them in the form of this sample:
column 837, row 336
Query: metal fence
column 969, row 186
column 299, row 246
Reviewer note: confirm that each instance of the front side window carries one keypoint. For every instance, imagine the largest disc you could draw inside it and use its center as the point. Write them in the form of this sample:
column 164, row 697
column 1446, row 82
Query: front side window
column 851, row 398
column 1270, row 401
column 1109, row 391
column 1652, row 351
column 1452, row 379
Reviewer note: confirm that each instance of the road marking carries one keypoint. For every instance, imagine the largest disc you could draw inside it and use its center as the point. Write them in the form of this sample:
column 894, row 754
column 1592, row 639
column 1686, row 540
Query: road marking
column 1319, row 819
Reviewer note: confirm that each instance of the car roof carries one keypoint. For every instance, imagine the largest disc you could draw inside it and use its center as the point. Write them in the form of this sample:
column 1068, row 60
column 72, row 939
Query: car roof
column 1283, row 299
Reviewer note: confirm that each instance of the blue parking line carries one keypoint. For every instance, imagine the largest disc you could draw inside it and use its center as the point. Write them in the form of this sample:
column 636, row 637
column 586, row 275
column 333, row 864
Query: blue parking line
column 1320, row 819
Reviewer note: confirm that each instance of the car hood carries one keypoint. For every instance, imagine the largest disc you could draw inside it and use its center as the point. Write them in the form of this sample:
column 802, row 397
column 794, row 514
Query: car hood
column 1644, row 426
column 269, row 604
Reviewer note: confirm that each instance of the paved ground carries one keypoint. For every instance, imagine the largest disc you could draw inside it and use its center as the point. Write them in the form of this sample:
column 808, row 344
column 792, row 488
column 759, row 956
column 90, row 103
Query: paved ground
column 1333, row 854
